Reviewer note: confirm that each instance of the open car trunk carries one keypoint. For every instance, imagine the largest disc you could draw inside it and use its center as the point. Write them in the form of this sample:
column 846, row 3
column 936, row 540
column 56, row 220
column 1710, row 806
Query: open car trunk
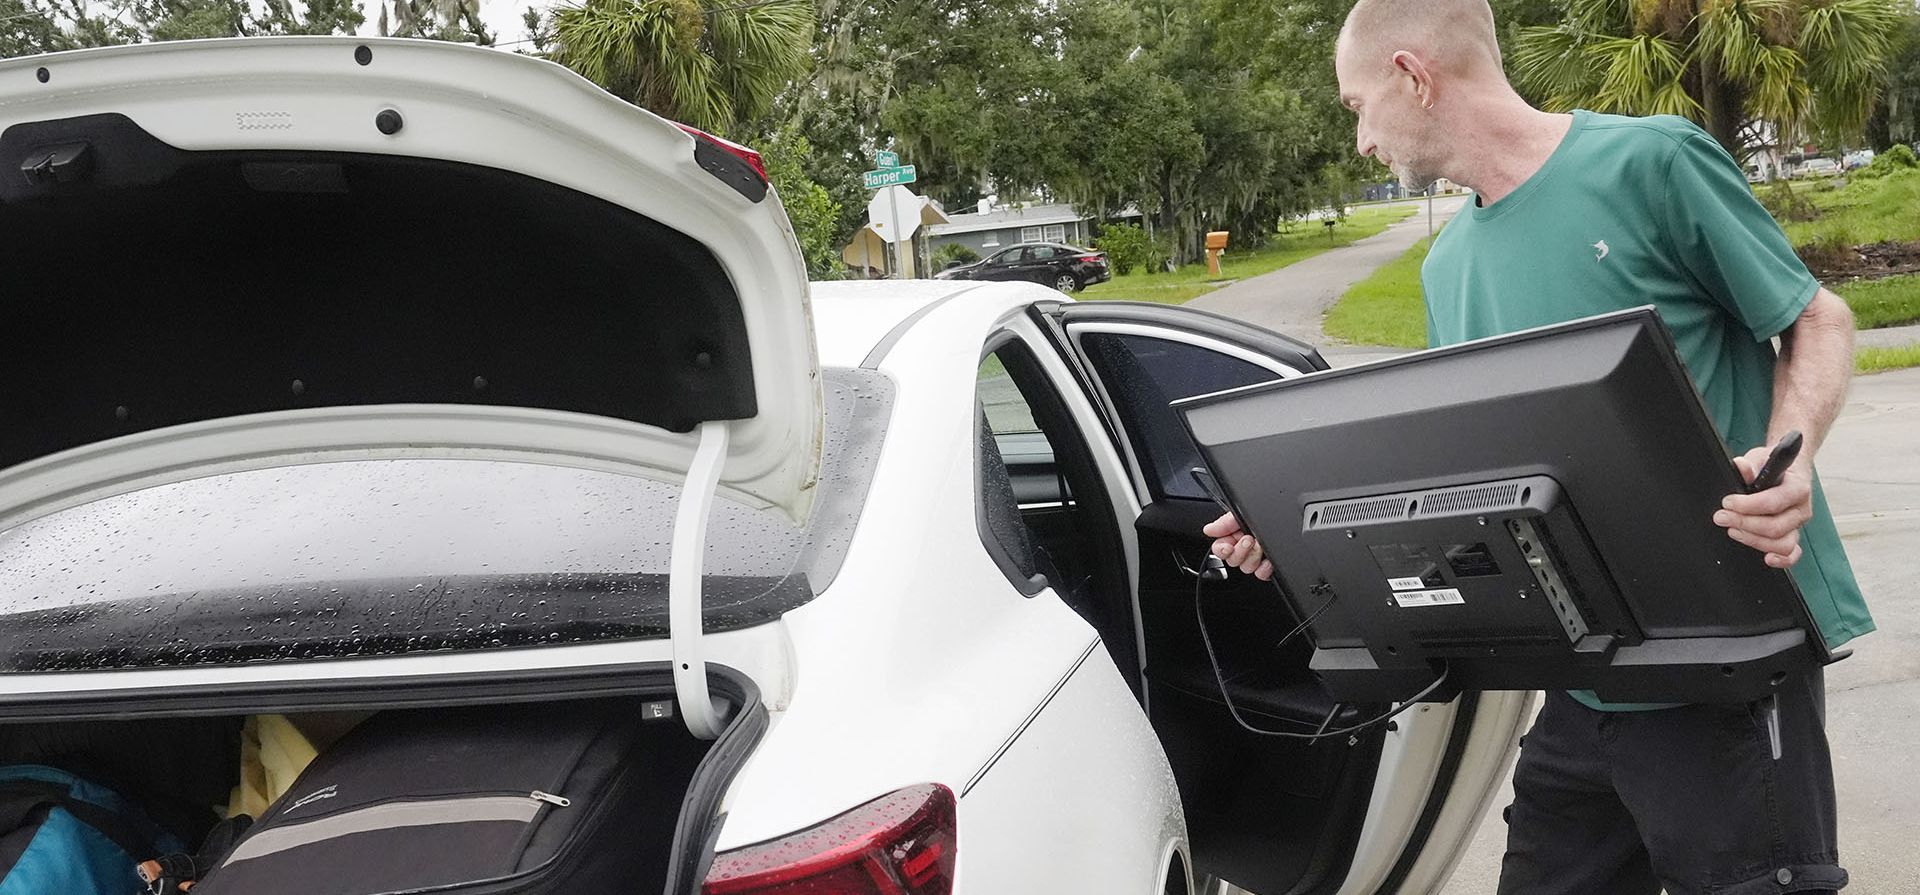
column 283, row 307
column 183, row 770
column 251, row 257
column 232, row 252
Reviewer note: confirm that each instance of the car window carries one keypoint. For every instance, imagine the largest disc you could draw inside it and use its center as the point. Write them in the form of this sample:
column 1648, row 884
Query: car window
column 1004, row 417
column 1143, row 376
column 1041, row 253
column 1007, row 412
column 1052, row 516
column 379, row 557
column 1007, row 257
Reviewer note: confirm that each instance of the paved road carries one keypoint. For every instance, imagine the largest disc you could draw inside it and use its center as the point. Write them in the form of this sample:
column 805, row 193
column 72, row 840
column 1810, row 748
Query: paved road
column 1293, row 299
column 1890, row 337
column 1871, row 468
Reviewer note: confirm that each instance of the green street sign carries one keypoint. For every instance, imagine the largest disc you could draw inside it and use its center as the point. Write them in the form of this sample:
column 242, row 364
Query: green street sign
column 885, row 159
column 886, row 177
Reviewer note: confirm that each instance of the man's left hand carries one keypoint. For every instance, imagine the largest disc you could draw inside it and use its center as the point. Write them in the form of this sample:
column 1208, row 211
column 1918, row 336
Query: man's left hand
column 1770, row 520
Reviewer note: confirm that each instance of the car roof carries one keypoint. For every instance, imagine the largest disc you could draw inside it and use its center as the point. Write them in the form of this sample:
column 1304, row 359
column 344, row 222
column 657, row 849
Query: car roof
column 851, row 317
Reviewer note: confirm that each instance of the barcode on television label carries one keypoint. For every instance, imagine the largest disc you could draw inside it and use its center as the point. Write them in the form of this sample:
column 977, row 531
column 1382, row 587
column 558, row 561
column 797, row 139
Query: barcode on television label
column 1443, row 597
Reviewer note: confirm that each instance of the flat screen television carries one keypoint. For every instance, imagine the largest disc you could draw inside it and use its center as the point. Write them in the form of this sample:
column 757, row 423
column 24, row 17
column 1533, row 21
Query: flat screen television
column 1532, row 511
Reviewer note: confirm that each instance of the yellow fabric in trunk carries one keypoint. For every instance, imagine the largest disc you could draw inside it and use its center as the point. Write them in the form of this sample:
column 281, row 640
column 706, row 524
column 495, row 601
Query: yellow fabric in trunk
column 273, row 752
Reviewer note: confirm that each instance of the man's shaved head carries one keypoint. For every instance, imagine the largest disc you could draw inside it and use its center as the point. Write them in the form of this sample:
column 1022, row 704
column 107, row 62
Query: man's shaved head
column 1410, row 70
column 1454, row 36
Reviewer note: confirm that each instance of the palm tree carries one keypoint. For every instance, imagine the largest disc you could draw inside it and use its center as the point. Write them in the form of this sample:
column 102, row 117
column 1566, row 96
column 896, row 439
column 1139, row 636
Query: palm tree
column 1738, row 67
column 713, row 64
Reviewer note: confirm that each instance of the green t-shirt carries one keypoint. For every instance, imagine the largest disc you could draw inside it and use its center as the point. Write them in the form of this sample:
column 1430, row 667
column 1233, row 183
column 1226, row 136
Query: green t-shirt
column 1637, row 211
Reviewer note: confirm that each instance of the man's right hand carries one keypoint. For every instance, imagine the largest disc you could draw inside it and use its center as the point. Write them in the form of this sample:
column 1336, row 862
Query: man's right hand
column 1238, row 548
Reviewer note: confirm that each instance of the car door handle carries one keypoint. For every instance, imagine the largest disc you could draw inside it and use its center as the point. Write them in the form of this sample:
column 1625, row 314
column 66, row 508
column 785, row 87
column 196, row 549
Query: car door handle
column 1213, row 568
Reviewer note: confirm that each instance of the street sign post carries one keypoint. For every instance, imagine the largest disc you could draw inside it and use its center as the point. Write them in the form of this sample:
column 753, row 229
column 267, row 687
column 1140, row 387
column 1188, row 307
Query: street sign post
column 895, row 213
column 886, row 177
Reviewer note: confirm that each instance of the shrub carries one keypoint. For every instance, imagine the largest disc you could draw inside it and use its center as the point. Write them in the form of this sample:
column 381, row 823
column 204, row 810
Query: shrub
column 1127, row 247
column 947, row 255
column 1785, row 204
column 1159, row 255
column 1897, row 160
column 814, row 214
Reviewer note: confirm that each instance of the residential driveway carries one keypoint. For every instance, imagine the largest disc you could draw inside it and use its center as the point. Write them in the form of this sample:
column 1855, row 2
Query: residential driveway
column 1293, row 299
column 1871, row 468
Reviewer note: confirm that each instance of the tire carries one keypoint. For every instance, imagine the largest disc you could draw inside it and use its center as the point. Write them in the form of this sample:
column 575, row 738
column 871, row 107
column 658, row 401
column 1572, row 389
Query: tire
column 1066, row 283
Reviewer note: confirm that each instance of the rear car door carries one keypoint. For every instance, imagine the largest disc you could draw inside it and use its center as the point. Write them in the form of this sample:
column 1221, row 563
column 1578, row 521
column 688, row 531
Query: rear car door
column 1001, row 266
column 1040, row 263
column 1386, row 810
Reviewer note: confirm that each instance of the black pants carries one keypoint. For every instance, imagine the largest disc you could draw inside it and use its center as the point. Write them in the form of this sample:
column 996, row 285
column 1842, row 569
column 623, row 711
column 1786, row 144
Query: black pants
column 1689, row 798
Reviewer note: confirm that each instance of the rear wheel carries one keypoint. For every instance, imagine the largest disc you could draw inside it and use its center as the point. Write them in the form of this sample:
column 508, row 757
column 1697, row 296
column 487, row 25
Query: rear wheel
column 1066, row 283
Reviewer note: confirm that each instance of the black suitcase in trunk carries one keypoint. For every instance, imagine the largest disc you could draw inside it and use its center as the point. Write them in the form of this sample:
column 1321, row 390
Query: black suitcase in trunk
column 576, row 798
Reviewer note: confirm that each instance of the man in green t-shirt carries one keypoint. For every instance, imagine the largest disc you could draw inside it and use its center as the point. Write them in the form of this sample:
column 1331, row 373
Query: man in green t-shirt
column 1581, row 214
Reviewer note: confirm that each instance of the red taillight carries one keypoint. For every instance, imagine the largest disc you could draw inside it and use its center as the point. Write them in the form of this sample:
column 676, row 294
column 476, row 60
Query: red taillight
column 1093, row 258
column 749, row 156
column 898, row 844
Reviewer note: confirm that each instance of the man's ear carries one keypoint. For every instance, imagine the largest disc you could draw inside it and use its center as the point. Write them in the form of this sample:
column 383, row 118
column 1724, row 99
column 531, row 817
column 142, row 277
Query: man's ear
column 1412, row 67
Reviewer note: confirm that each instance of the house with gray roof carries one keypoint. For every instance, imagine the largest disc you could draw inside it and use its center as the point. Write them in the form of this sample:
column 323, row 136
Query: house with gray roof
column 988, row 231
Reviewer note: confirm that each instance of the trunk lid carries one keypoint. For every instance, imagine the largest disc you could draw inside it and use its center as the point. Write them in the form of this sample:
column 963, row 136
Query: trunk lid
column 230, row 255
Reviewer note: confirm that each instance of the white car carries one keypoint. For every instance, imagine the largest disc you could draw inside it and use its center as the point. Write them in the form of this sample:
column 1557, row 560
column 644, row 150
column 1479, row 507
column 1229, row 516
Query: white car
column 1818, row 167
column 362, row 374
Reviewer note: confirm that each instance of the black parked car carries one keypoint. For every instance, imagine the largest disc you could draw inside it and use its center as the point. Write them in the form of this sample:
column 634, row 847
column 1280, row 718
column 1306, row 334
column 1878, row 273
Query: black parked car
column 1063, row 267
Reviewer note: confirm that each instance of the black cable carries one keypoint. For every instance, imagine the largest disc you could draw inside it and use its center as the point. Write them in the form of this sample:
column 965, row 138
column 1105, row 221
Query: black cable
column 1283, row 641
column 1219, row 679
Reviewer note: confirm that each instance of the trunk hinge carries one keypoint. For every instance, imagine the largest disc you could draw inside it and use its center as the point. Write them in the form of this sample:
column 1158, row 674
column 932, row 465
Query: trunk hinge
column 685, row 575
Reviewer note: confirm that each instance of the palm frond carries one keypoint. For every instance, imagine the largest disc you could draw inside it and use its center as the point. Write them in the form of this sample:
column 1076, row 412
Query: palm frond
column 711, row 67
column 761, row 49
column 630, row 47
column 1642, row 74
column 1849, row 39
column 1729, row 32
column 1554, row 63
column 1778, row 89
column 1846, row 43
column 1798, row 65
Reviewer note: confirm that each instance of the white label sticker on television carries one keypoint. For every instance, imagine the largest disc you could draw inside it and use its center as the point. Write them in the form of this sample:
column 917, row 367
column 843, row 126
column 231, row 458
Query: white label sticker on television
column 1444, row 597
column 1406, row 583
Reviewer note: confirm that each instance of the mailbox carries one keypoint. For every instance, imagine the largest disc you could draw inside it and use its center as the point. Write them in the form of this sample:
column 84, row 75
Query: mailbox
column 1216, row 243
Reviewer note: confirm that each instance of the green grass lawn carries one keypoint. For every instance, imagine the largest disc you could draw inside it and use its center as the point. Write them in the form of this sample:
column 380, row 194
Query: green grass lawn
column 1866, row 210
column 1386, row 308
column 1880, row 360
column 1307, row 240
column 1166, row 293
column 1892, row 301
